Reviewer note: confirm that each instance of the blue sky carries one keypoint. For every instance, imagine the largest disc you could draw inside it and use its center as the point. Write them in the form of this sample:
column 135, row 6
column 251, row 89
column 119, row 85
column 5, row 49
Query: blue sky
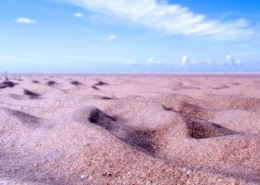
column 102, row 36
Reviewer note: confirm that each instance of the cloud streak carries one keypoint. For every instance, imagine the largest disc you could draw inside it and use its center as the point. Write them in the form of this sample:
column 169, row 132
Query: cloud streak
column 112, row 37
column 78, row 15
column 25, row 20
column 173, row 19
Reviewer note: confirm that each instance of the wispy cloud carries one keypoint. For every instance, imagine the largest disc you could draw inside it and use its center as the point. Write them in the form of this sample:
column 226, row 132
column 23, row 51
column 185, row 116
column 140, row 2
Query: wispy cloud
column 25, row 20
column 150, row 60
column 248, row 53
column 7, row 56
column 130, row 61
column 78, row 14
column 112, row 37
column 174, row 19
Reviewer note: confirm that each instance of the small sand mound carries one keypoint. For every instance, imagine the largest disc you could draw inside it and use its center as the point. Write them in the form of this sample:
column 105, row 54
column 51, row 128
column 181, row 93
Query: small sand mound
column 95, row 116
column 75, row 82
column 100, row 83
column 51, row 83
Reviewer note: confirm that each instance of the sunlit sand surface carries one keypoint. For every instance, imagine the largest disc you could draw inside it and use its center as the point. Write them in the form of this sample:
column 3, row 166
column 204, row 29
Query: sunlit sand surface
column 130, row 129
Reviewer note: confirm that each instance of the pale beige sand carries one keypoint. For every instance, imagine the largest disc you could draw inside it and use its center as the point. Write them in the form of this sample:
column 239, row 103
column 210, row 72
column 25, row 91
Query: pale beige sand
column 167, row 129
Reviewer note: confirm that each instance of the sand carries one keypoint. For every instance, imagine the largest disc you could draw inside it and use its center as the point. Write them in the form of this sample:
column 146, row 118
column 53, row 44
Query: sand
column 130, row 129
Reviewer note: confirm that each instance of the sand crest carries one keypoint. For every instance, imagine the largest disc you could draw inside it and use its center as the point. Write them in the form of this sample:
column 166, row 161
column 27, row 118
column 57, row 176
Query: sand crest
column 119, row 129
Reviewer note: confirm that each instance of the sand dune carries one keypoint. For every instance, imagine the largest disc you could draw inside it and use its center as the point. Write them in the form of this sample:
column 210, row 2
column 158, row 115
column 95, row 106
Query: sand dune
column 69, row 129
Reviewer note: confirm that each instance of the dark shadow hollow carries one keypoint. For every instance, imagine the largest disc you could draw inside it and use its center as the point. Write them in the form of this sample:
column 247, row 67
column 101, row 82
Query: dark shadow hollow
column 35, row 81
column 94, row 87
column 31, row 94
column 100, row 83
column 27, row 119
column 6, row 84
column 136, row 138
column 75, row 83
column 51, row 82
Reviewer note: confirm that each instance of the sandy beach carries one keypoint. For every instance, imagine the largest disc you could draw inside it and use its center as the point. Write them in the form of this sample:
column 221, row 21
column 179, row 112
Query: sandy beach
column 130, row 129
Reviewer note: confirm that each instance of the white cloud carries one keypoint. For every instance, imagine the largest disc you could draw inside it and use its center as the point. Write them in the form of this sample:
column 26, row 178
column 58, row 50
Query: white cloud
column 184, row 60
column 77, row 14
column 112, row 37
column 232, row 61
column 130, row 62
column 229, row 58
column 152, row 61
column 25, row 20
column 173, row 19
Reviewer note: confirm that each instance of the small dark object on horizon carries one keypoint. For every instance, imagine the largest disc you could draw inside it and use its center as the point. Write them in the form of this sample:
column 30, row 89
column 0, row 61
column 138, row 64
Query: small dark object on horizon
column 6, row 78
